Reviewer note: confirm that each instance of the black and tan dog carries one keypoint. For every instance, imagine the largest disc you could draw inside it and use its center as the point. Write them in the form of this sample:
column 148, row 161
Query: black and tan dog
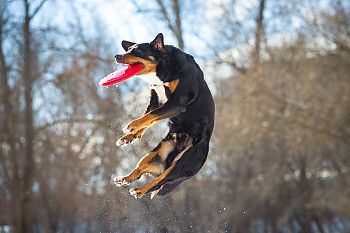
column 177, row 91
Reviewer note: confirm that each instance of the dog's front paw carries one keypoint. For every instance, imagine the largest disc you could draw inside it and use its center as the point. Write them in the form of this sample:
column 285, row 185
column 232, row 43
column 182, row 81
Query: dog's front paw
column 136, row 192
column 120, row 181
column 126, row 139
column 133, row 127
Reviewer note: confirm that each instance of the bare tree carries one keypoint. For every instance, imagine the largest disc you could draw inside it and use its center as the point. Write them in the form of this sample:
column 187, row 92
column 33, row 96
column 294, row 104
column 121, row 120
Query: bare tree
column 172, row 17
column 175, row 14
column 28, row 77
column 9, row 160
column 259, row 32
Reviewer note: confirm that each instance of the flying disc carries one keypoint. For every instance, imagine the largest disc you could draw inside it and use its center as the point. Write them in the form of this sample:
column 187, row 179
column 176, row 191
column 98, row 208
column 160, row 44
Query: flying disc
column 121, row 74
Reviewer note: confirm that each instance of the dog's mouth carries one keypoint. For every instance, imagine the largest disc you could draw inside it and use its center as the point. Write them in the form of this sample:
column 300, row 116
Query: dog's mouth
column 135, row 64
column 123, row 64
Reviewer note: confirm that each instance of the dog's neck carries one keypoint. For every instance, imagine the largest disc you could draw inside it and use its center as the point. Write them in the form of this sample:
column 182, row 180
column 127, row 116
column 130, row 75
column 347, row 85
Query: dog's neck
column 152, row 79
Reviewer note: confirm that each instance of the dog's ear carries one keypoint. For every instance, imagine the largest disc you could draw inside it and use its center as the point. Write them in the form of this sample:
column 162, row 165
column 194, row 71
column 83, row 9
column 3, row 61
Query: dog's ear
column 158, row 43
column 127, row 44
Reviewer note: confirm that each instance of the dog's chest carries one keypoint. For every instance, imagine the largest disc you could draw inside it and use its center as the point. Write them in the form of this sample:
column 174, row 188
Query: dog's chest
column 158, row 86
column 161, row 93
column 151, row 78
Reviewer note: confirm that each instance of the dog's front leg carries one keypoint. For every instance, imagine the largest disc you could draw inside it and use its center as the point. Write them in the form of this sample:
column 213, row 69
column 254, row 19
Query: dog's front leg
column 174, row 106
column 153, row 104
column 169, row 109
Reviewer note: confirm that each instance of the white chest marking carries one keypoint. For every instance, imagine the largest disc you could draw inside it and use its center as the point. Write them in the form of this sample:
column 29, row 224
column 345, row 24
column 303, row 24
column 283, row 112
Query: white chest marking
column 151, row 78
column 157, row 85
column 160, row 90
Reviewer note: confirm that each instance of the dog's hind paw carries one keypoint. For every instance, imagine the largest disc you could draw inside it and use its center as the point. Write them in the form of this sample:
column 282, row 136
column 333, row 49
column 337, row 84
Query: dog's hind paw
column 136, row 192
column 120, row 181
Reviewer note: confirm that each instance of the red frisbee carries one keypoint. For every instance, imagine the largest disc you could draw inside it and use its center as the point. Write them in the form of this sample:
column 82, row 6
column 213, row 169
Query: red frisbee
column 121, row 75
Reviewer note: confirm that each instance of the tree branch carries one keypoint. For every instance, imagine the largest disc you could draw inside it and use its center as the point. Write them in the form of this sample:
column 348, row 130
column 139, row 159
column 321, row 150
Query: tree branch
column 166, row 15
column 37, row 9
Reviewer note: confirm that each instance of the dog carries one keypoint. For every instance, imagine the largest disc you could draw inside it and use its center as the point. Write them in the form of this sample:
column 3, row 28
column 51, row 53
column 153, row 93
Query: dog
column 179, row 92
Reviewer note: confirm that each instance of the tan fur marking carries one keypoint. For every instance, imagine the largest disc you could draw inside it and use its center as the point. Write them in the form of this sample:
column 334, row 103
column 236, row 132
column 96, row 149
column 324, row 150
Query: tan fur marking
column 145, row 121
column 148, row 119
column 172, row 85
column 165, row 148
column 147, row 158
column 155, row 169
column 143, row 166
column 148, row 66
column 152, row 58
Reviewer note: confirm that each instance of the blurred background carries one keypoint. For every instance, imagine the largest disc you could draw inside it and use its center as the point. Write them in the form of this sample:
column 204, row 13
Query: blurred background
column 280, row 74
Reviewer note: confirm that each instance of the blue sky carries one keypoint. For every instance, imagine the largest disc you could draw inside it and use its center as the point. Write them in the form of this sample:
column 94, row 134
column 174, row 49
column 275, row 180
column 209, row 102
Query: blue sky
column 118, row 17
column 120, row 20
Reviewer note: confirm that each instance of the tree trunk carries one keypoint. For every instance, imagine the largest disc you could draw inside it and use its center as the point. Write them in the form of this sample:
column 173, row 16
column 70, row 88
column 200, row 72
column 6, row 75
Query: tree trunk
column 12, row 179
column 259, row 33
column 305, row 191
column 319, row 224
column 173, row 13
column 178, row 27
column 28, row 119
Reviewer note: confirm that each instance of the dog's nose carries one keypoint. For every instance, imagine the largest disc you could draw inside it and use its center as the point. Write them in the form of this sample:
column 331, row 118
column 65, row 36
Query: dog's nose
column 118, row 57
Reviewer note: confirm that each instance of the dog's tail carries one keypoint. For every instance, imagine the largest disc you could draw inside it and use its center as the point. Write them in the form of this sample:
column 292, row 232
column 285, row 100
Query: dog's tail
column 168, row 187
column 165, row 188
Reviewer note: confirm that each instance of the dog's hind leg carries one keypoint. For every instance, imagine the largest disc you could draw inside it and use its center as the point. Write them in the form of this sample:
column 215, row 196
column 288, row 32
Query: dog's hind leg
column 153, row 162
column 162, row 178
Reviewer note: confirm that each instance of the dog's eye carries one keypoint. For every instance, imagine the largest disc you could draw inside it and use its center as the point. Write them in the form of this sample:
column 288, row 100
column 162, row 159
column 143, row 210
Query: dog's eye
column 138, row 52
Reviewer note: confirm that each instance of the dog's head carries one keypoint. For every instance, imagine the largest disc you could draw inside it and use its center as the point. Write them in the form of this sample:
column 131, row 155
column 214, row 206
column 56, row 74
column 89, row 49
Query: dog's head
column 148, row 54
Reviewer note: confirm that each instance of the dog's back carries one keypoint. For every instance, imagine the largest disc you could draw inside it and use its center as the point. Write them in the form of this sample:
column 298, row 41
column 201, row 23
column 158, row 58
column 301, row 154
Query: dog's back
column 197, row 120
column 200, row 112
